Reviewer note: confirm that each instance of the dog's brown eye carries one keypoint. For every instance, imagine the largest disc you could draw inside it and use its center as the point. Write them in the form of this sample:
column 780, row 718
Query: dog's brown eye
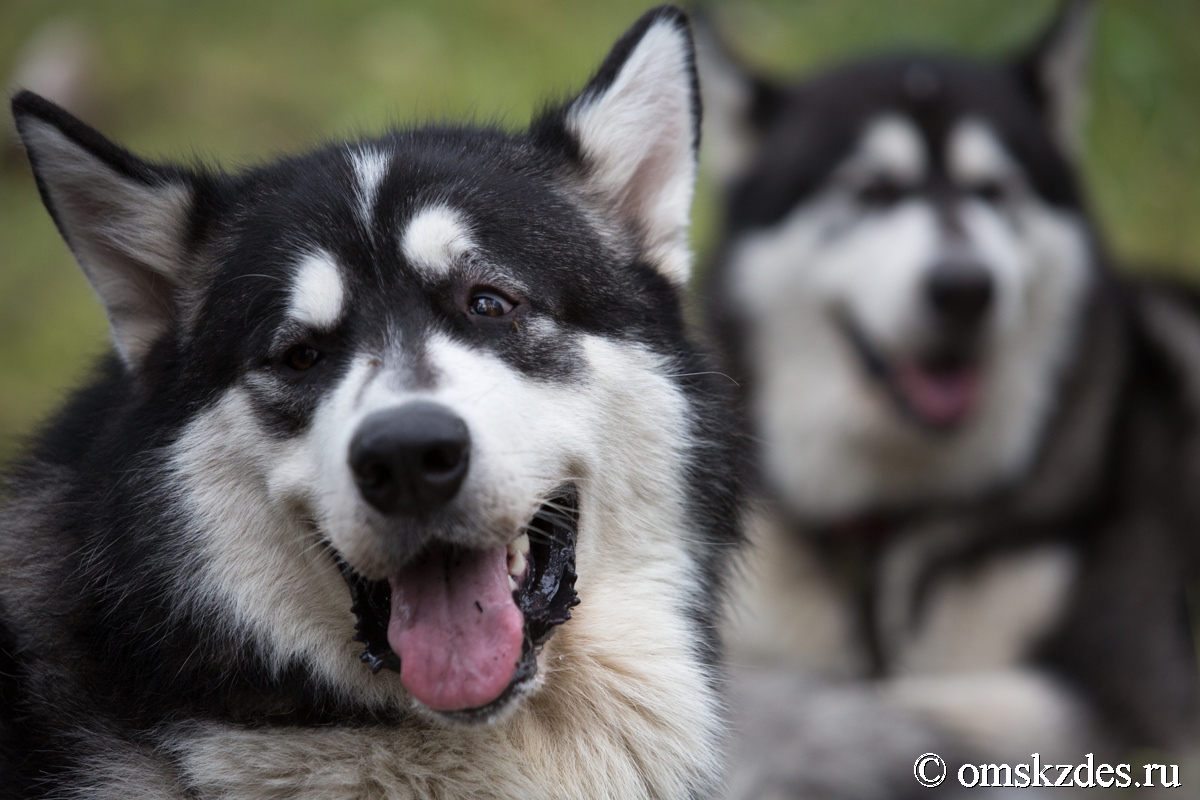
column 488, row 304
column 301, row 357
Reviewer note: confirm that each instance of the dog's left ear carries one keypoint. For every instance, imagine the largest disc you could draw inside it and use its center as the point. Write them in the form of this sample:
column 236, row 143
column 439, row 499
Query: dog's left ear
column 1054, row 72
column 635, row 131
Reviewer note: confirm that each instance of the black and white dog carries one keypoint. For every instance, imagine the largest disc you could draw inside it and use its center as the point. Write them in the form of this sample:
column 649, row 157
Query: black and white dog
column 977, row 446
column 439, row 376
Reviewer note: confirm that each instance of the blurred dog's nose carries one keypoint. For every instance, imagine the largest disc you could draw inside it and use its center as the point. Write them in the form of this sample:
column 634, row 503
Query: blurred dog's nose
column 960, row 292
column 411, row 459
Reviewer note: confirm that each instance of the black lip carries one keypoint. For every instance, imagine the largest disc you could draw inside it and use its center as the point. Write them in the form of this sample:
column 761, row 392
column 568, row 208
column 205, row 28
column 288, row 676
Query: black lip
column 951, row 355
column 548, row 595
column 545, row 599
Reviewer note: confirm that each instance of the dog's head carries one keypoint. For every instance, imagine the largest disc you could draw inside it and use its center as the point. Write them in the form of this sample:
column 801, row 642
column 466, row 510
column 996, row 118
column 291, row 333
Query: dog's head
column 442, row 365
column 905, row 263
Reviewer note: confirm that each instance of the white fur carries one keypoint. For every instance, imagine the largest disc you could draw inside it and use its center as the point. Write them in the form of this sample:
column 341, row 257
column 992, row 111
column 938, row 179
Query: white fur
column 436, row 239
column 892, row 146
column 242, row 525
column 370, row 168
column 788, row 610
column 806, row 738
column 317, row 295
column 986, row 616
column 637, row 136
column 1014, row 711
column 833, row 443
column 974, row 155
column 122, row 769
column 621, row 709
column 962, row 668
column 124, row 234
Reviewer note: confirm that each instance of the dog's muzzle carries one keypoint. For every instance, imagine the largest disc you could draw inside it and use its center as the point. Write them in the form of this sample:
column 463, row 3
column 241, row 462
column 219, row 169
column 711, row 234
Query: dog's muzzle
column 461, row 625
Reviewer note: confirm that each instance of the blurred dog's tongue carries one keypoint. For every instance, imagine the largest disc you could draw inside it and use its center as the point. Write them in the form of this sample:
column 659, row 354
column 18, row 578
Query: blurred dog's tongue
column 456, row 628
column 941, row 398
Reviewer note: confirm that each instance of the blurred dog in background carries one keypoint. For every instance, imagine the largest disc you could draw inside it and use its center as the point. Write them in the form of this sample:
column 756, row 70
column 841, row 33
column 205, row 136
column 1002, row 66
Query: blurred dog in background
column 977, row 445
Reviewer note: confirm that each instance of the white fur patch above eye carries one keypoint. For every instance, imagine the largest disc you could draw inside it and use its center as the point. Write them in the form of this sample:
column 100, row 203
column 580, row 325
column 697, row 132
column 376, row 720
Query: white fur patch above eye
column 974, row 154
column 893, row 145
column 370, row 167
column 318, row 294
column 437, row 237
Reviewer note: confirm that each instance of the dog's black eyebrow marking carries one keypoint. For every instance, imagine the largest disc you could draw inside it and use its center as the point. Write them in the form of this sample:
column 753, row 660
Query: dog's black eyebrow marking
column 231, row 279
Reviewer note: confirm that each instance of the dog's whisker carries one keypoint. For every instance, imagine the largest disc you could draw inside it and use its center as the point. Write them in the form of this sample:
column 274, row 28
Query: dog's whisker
column 706, row 372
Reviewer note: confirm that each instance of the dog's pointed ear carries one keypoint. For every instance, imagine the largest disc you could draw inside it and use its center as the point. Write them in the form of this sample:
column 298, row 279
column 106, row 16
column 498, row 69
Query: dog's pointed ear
column 1054, row 72
column 126, row 221
column 739, row 102
column 635, row 132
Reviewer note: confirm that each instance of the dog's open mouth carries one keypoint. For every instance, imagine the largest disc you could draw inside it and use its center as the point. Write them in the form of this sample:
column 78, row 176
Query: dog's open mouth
column 937, row 390
column 463, row 627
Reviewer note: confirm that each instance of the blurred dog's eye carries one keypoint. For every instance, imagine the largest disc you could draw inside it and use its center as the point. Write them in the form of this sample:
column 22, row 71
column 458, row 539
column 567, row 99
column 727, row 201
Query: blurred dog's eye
column 989, row 191
column 881, row 193
column 301, row 357
column 488, row 304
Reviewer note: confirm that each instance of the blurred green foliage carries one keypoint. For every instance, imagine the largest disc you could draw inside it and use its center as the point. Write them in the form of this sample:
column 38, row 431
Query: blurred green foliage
column 234, row 82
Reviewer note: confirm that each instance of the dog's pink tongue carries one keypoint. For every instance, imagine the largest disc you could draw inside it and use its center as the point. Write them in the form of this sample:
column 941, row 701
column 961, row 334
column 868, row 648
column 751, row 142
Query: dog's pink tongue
column 940, row 398
column 456, row 628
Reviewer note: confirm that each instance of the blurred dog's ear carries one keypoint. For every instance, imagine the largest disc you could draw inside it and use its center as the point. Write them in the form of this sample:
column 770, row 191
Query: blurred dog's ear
column 635, row 131
column 125, row 220
column 1054, row 72
column 739, row 103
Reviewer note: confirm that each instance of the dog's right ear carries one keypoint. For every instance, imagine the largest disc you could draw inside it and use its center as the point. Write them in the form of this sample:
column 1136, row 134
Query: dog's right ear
column 1054, row 72
column 126, row 221
column 739, row 103
column 634, row 133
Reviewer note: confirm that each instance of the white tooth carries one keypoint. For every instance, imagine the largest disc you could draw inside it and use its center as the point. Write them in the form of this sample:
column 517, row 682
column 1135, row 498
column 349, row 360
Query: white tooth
column 522, row 543
column 512, row 583
column 516, row 565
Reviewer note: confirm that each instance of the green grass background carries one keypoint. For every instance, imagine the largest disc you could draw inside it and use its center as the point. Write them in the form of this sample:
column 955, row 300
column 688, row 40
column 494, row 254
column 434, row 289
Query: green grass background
column 235, row 82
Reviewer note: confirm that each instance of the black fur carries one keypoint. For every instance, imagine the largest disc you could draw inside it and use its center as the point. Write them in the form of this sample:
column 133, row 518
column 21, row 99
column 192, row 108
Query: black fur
column 10, row 689
column 810, row 131
column 92, row 498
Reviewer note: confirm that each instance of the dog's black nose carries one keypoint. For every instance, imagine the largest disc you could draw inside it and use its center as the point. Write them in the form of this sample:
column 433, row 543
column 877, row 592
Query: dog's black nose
column 960, row 292
column 412, row 459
